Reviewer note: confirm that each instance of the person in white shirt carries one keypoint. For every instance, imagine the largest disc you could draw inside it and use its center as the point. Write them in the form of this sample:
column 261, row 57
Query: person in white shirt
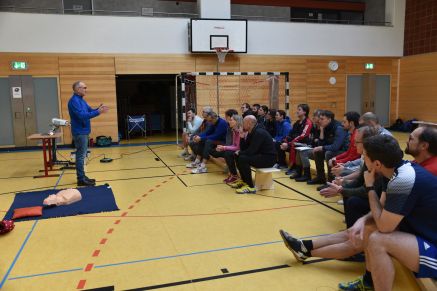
column 193, row 125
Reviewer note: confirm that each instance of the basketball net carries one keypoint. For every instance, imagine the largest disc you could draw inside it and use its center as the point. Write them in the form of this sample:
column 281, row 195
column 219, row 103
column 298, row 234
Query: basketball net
column 221, row 53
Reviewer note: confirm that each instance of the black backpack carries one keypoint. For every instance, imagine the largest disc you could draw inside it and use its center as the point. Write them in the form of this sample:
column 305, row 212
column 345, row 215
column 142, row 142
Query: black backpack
column 103, row 141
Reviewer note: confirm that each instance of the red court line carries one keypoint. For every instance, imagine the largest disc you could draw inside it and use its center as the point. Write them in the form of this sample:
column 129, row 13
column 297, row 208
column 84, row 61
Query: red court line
column 138, row 201
column 103, row 241
column 124, row 214
column 81, row 284
column 96, row 253
column 89, row 267
column 163, row 182
column 151, row 190
column 130, row 207
column 110, row 231
column 157, row 186
column 201, row 214
column 117, row 221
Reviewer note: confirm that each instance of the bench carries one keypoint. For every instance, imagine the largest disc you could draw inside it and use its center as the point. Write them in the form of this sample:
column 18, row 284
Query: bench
column 264, row 179
column 427, row 284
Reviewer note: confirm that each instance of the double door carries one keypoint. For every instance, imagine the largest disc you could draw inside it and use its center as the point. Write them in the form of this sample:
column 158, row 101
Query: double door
column 28, row 105
column 369, row 92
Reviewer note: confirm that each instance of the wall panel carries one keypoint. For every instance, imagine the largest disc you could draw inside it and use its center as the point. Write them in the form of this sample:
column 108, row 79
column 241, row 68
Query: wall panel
column 101, row 89
column 418, row 87
column 39, row 64
column 309, row 79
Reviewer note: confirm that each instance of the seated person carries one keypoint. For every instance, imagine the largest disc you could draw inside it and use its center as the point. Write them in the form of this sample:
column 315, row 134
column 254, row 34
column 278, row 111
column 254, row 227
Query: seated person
column 332, row 141
column 283, row 128
column 246, row 110
column 255, row 108
column 270, row 122
column 300, row 133
column 303, row 155
column 422, row 145
column 204, row 126
column 256, row 149
column 193, row 125
column 261, row 116
column 401, row 224
column 350, row 123
column 370, row 118
column 228, row 151
column 208, row 141
column 352, row 187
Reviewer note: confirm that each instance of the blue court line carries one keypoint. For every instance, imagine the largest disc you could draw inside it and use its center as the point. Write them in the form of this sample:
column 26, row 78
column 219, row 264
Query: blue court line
column 25, row 242
column 158, row 258
column 45, row 274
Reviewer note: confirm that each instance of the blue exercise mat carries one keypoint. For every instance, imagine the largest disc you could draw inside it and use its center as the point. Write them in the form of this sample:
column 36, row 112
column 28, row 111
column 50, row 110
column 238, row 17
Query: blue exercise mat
column 94, row 199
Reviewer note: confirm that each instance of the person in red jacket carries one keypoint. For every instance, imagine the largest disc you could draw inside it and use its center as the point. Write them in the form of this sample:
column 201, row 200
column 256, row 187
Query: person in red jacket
column 350, row 123
column 422, row 145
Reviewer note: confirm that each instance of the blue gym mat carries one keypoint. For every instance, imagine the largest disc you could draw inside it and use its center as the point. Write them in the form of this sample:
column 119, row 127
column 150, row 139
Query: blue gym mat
column 94, row 199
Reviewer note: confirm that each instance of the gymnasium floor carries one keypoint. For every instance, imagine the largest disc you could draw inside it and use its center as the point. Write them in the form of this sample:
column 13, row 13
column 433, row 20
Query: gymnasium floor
column 174, row 230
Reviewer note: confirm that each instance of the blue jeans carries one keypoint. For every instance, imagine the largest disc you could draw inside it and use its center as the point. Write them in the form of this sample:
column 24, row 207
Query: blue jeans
column 81, row 144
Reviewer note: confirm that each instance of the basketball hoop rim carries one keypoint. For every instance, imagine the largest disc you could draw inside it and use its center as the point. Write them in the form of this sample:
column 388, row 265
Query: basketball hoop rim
column 222, row 50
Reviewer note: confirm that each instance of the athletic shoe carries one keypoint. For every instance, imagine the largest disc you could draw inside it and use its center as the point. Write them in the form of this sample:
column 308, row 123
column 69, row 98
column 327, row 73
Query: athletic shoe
column 295, row 246
column 183, row 154
column 194, row 164
column 340, row 202
column 237, row 184
column 233, row 179
column 356, row 285
column 199, row 170
column 246, row 190
column 189, row 158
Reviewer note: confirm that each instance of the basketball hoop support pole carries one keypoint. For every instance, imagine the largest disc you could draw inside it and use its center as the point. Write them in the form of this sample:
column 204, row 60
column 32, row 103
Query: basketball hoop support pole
column 218, row 89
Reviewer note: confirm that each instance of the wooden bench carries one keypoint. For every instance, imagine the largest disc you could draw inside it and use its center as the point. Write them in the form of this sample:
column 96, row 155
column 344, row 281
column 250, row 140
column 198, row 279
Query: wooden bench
column 427, row 284
column 264, row 179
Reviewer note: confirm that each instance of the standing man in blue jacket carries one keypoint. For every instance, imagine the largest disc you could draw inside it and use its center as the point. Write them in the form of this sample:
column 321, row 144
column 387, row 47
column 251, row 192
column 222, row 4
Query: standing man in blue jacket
column 80, row 115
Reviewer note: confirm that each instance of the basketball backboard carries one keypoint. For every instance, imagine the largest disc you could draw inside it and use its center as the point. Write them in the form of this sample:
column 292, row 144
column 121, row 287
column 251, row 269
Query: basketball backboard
column 207, row 34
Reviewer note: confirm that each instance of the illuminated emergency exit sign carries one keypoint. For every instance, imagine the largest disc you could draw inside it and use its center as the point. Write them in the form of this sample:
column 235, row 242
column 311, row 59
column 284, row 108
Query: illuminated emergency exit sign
column 368, row 66
column 19, row 66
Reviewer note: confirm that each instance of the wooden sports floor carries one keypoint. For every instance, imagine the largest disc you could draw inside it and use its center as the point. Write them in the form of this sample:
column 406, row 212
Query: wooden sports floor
column 174, row 230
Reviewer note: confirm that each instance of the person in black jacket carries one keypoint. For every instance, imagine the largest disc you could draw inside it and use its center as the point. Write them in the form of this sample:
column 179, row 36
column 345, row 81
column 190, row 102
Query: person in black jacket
column 333, row 141
column 256, row 149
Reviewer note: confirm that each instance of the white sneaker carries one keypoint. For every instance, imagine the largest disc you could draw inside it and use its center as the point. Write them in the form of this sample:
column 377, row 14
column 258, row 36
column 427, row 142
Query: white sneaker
column 199, row 170
column 183, row 154
column 194, row 164
column 189, row 158
column 340, row 202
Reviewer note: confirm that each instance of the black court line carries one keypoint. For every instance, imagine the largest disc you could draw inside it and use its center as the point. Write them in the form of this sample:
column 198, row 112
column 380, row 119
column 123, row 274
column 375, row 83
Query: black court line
column 309, row 197
column 107, row 288
column 71, row 173
column 167, row 166
column 203, row 279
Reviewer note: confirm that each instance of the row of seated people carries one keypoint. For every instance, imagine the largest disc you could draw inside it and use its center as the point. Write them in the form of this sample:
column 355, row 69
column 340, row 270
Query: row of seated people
column 242, row 142
column 389, row 207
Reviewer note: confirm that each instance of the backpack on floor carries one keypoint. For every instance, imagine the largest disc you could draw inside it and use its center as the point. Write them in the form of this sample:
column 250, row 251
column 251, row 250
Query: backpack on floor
column 103, row 141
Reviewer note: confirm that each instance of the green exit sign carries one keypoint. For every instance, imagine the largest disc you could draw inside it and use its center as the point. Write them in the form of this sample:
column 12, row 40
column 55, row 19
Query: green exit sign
column 368, row 66
column 19, row 66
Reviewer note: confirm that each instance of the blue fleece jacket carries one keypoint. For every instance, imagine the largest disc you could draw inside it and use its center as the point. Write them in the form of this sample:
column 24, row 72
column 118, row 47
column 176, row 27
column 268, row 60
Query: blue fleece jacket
column 80, row 115
column 216, row 132
column 282, row 130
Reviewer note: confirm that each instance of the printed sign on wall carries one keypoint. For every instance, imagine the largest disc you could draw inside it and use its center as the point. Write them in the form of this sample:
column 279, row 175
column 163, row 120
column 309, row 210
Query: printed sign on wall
column 16, row 92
